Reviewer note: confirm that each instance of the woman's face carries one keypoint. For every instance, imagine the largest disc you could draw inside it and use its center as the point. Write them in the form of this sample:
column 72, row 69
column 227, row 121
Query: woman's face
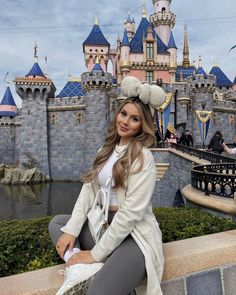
column 128, row 122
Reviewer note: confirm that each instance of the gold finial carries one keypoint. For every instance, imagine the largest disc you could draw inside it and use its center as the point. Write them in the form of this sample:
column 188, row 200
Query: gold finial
column 181, row 75
column 97, row 59
column 35, row 52
column 96, row 21
column 144, row 11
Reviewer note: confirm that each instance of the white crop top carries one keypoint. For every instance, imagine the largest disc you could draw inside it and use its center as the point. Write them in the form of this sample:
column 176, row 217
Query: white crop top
column 106, row 173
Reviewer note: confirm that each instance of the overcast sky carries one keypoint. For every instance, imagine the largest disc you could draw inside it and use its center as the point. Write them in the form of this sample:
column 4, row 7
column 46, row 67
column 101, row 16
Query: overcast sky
column 60, row 27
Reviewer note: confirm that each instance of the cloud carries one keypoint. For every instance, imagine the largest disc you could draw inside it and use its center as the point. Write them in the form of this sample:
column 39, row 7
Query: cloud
column 60, row 27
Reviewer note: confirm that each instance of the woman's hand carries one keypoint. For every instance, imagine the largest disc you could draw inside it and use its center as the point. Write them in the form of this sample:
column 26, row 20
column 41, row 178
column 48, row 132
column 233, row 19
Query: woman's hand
column 81, row 257
column 66, row 240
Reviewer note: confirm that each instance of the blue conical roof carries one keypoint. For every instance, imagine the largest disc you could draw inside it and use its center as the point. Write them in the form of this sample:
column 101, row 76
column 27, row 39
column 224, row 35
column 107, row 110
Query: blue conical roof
column 8, row 105
column 136, row 43
column 172, row 42
column 200, row 71
column 96, row 37
column 36, row 71
column 97, row 68
column 125, row 41
column 235, row 80
column 8, row 98
column 129, row 19
column 221, row 79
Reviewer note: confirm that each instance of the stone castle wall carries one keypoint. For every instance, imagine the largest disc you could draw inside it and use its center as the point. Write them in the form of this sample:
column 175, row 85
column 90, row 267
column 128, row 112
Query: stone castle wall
column 64, row 134
column 7, row 139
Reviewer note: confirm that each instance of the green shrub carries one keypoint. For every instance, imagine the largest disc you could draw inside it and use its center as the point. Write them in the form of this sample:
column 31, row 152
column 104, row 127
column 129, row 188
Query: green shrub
column 182, row 223
column 25, row 245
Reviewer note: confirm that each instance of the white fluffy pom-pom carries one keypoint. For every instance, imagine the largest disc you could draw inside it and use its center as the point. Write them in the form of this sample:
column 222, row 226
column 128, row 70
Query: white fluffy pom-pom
column 131, row 87
column 157, row 96
column 145, row 93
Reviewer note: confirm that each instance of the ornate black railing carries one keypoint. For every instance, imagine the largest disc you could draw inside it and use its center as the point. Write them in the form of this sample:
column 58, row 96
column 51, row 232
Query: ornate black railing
column 217, row 179
column 205, row 155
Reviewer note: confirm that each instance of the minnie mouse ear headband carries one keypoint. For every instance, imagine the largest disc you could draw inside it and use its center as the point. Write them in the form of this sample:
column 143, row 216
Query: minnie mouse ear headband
column 152, row 95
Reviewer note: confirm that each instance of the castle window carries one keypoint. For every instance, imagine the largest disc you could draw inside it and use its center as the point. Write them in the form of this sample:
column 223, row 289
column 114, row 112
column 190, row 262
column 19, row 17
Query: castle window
column 79, row 117
column 163, row 10
column 53, row 118
column 149, row 76
column 150, row 51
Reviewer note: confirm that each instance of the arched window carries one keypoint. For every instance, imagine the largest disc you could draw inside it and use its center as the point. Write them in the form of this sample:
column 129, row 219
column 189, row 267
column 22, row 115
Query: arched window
column 163, row 9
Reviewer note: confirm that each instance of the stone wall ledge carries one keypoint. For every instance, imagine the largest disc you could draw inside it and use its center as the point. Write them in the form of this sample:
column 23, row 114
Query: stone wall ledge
column 182, row 259
column 225, row 205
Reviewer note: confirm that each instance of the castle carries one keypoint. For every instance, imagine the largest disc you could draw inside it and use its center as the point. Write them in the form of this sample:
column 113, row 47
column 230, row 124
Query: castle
column 63, row 132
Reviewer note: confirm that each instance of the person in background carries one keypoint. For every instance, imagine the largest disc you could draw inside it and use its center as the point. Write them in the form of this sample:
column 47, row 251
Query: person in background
column 216, row 142
column 171, row 139
column 186, row 139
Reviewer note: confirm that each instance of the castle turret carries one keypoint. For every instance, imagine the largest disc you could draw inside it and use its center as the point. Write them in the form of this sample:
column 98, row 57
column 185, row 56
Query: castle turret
column 186, row 62
column 8, row 125
column 125, row 55
column 96, row 44
column 163, row 19
column 8, row 106
column 35, row 89
column 129, row 25
column 96, row 83
column 172, row 49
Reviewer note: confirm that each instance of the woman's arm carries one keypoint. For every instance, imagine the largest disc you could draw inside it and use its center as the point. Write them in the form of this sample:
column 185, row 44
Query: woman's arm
column 81, row 208
column 131, row 211
column 228, row 150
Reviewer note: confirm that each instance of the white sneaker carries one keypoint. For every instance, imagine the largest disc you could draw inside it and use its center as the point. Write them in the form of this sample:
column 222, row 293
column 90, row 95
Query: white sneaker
column 77, row 278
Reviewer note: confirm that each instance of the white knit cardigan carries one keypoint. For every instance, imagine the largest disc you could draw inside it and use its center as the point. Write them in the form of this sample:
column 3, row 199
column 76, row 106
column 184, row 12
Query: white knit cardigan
column 134, row 217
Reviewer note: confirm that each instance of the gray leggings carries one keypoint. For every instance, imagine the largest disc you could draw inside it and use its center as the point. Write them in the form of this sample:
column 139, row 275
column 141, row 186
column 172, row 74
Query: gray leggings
column 124, row 269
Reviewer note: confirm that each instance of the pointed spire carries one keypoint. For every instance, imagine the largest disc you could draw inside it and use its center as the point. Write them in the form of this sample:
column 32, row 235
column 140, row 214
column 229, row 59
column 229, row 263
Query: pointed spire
column 125, row 40
column 8, row 106
column 35, row 52
column 186, row 61
column 97, row 67
column 172, row 41
column 144, row 11
column 129, row 18
column 96, row 21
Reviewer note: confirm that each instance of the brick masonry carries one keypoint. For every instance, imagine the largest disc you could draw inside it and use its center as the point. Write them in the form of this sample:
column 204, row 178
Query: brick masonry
column 217, row 281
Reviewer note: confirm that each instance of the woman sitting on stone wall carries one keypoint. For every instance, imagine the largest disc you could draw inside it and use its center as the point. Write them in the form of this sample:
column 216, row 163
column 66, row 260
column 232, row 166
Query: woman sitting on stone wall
column 131, row 246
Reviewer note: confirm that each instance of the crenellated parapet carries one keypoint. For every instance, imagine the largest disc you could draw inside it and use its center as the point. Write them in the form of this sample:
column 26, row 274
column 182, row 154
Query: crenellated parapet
column 202, row 83
column 96, row 81
column 8, row 121
column 34, row 87
column 163, row 18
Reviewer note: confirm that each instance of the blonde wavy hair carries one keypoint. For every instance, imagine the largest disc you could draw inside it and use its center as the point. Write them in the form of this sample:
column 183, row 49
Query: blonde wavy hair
column 145, row 138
